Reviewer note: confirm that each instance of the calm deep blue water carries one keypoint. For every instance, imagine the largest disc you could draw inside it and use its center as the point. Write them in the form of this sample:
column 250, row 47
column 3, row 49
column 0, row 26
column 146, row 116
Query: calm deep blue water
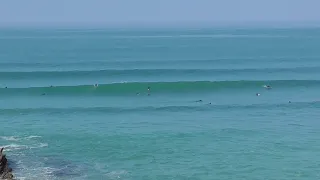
column 55, row 124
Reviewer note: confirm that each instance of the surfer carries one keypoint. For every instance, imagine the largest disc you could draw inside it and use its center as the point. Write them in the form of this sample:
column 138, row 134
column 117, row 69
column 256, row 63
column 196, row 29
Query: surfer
column 267, row 87
column 148, row 91
column 199, row 100
column 258, row 94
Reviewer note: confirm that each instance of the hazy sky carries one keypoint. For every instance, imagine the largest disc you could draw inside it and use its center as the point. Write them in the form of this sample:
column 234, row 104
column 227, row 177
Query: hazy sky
column 131, row 12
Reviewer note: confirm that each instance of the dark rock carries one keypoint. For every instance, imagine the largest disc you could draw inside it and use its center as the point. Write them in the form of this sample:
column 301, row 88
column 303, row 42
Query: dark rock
column 5, row 170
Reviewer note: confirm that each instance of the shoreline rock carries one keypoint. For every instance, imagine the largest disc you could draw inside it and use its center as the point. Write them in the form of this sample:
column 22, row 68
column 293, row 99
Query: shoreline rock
column 5, row 170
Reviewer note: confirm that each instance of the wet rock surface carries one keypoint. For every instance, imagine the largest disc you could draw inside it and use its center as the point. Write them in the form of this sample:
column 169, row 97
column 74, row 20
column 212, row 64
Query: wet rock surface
column 5, row 170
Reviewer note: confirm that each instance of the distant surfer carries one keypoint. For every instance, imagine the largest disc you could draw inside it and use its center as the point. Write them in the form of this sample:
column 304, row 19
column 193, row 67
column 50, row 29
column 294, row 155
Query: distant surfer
column 148, row 91
column 199, row 100
column 96, row 85
column 43, row 94
column 258, row 94
column 267, row 87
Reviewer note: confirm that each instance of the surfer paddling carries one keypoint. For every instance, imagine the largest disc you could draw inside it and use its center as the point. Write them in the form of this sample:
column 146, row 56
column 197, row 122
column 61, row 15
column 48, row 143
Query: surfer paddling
column 267, row 87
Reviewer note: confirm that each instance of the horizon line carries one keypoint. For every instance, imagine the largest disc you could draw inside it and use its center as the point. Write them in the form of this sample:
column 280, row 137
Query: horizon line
column 166, row 25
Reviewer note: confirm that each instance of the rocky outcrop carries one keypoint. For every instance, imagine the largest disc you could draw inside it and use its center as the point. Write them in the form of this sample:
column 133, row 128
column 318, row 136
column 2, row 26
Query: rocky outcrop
column 5, row 170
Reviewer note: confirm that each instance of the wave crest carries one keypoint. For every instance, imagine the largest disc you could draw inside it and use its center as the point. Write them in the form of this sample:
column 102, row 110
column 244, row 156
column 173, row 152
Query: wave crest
column 158, row 87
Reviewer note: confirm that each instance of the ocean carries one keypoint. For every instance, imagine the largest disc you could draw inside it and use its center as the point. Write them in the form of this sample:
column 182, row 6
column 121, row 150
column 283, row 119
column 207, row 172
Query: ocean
column 75, row 104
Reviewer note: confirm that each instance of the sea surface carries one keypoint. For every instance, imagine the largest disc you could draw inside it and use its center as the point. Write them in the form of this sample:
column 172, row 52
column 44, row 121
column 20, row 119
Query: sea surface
column 201, row 119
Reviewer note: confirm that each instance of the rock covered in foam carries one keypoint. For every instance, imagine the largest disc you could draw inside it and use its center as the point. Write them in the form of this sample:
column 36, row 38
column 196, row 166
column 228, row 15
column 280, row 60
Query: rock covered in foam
column 5, row 170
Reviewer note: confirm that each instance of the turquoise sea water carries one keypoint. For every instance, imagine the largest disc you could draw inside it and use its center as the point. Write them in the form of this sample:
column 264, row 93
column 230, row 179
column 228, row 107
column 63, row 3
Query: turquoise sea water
column 74, row 130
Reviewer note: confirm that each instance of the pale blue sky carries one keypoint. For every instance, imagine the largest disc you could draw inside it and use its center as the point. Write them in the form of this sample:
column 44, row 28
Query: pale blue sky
column 153, row 12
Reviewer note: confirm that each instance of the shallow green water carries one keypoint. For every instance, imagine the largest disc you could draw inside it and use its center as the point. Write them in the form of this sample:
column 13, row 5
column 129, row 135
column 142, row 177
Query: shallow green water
column 55, row 124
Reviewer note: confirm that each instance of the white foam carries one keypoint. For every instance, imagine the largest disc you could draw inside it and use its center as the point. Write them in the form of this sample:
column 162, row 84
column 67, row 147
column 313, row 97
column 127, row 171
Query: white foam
column 44, row 173
column 116, row 174
column 12, row 147
column 32, row 137
column 9, row 138
column 21, row 178
column 41, row 145
column 48, row 170
column 15, row 138
column 122, row 82
column 15, row 147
